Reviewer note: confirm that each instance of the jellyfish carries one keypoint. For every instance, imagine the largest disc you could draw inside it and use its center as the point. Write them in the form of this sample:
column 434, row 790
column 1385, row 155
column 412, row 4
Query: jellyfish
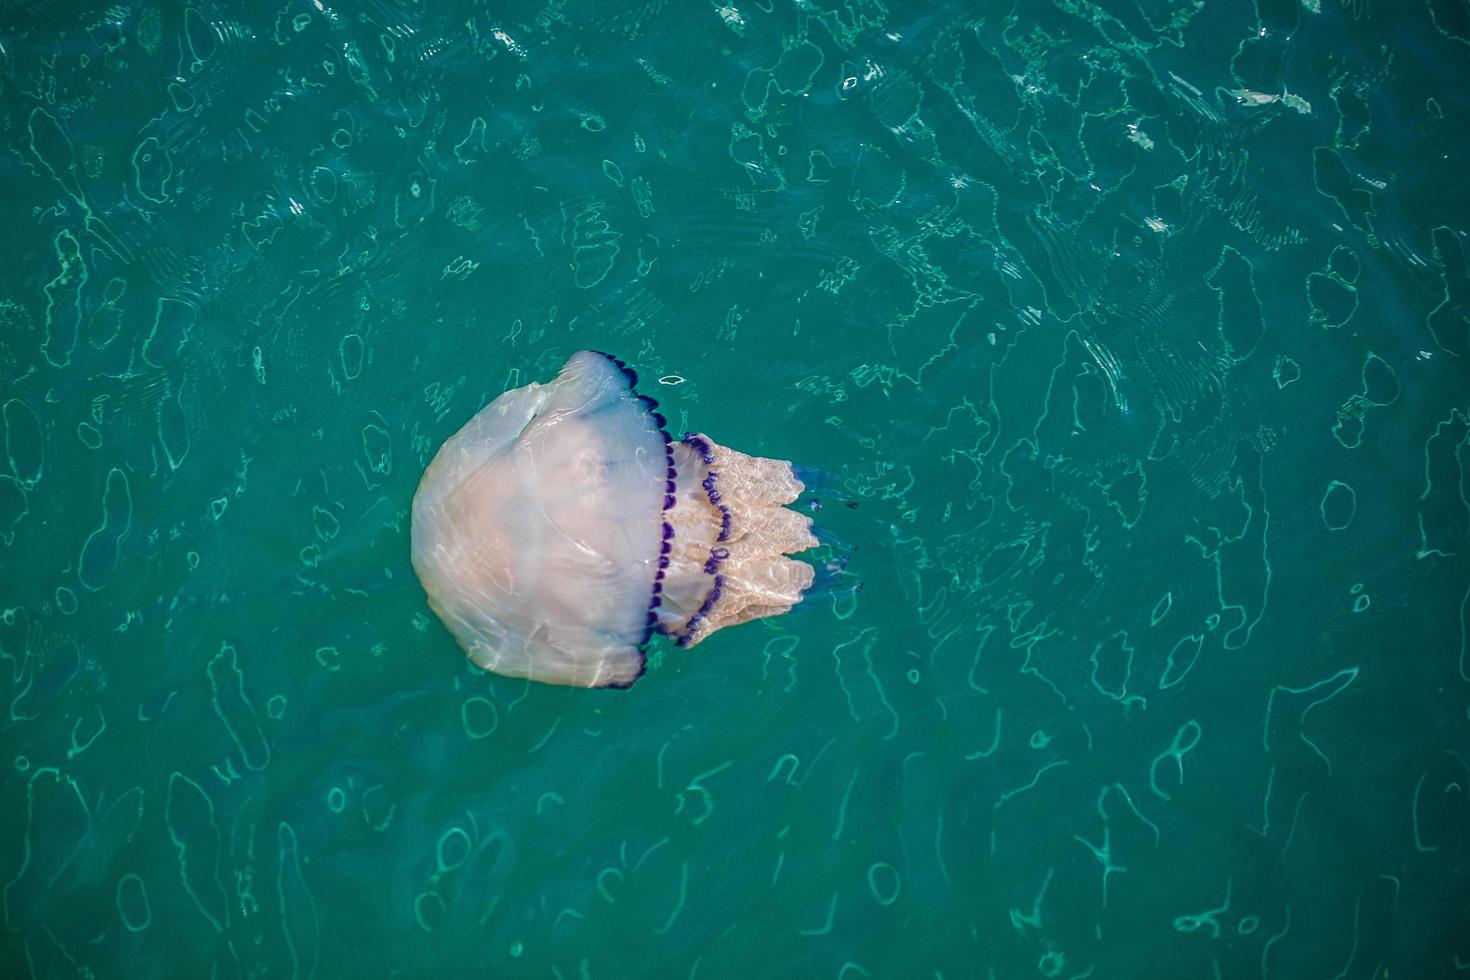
column 563, row 527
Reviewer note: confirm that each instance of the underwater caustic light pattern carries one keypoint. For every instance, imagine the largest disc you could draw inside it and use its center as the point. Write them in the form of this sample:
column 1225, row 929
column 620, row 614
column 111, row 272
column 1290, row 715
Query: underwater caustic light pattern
column 562, row 526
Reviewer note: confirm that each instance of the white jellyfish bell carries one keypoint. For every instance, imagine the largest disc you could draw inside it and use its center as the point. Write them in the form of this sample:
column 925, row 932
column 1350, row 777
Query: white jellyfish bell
column 562, row 527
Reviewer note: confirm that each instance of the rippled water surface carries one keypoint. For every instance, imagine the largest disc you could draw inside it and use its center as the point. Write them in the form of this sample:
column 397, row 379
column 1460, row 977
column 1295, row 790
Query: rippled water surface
column 1137, row 329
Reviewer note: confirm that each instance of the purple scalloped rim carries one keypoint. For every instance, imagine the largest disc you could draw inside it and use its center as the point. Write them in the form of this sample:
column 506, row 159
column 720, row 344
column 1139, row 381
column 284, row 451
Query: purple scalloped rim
column 709, row 603
column 705, row 453
column 717, row 554
column 665, row 547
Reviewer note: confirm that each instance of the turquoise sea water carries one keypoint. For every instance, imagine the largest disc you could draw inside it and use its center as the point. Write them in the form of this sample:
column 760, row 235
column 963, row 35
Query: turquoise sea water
column 1137, row 330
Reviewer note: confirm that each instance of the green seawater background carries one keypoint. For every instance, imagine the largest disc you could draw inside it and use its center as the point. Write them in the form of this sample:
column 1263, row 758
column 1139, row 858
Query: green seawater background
column 1136, row 329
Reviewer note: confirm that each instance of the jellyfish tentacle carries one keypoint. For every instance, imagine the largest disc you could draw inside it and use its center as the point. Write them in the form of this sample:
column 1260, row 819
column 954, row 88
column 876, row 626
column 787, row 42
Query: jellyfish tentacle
column 741, row 534
column 831, row 538
column 819, row 482
column 832, row 582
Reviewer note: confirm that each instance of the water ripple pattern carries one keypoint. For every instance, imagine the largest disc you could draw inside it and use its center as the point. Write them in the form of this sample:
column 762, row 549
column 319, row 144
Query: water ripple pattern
column 1133, row 336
